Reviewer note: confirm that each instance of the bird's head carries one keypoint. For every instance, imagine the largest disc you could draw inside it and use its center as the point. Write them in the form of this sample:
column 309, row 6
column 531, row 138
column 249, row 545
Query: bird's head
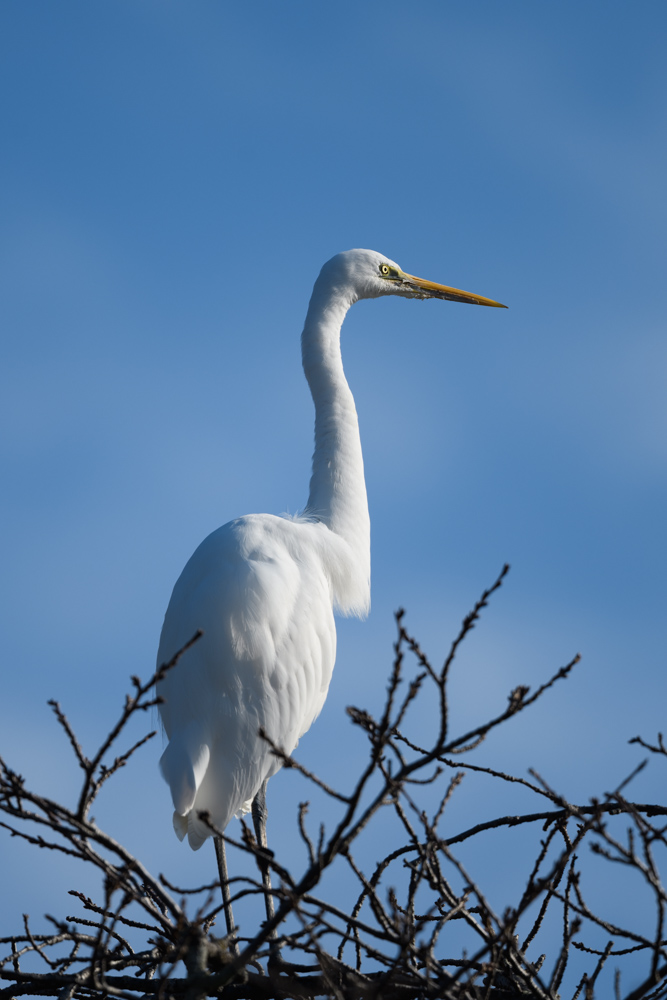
column 367, row 274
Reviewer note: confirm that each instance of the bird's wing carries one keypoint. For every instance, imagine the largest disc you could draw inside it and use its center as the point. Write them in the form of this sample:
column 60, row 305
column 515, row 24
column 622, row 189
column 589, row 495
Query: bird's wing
column 260, row 592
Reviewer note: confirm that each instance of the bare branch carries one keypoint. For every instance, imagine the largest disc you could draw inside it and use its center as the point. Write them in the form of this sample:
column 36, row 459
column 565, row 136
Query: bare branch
column 397, row 911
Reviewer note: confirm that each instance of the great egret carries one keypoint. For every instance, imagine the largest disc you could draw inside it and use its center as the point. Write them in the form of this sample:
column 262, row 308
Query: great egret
column 264, row 589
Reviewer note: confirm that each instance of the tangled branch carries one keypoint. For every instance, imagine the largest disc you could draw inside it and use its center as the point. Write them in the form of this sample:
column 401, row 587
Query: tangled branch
column 417, row 923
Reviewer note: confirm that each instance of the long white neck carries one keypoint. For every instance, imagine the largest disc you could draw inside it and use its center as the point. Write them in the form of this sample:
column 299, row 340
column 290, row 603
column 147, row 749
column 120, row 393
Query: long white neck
column 337, row 486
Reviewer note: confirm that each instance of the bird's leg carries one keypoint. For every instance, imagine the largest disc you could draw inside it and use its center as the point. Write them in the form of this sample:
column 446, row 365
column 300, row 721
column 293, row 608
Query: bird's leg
column 221, row 858
column 259, row 814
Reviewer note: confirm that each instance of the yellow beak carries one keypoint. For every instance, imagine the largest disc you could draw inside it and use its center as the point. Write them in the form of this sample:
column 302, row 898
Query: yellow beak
column 431, row 290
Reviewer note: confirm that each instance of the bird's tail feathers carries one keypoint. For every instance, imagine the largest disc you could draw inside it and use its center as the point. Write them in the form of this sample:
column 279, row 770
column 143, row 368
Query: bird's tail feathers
column 192, row 827
column 197, row 831
column 183, row 766
column 180, row 825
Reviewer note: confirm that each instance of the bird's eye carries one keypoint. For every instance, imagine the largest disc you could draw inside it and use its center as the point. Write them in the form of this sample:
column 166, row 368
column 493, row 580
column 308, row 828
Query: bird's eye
column 388, row 272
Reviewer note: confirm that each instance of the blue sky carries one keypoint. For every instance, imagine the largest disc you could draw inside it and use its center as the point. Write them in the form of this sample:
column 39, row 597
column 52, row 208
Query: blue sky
column 174, row 176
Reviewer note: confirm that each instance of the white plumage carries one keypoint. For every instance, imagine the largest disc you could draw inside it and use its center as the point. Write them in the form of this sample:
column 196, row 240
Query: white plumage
column 264, row 589
column 258, row 587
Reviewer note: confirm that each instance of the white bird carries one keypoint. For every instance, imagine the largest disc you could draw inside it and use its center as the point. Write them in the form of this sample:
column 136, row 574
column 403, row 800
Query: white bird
column 263, row 589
